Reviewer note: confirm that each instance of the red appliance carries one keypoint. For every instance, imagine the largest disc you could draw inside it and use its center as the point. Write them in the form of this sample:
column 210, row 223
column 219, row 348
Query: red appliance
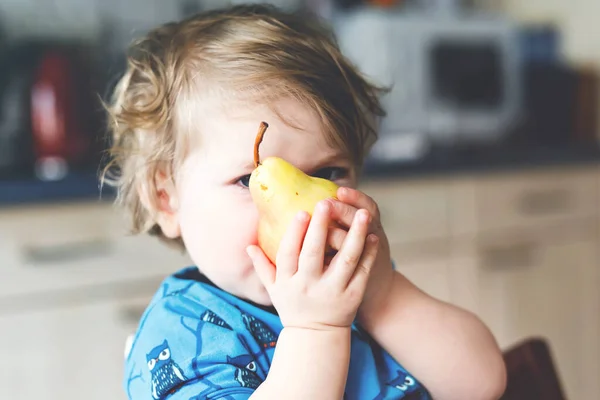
column 61, row 109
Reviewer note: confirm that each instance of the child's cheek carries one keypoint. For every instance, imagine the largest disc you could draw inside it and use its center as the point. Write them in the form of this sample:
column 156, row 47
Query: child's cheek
column 252, row 229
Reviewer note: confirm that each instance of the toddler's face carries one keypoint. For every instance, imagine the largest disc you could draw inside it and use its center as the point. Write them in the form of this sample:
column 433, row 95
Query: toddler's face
column 216, row 215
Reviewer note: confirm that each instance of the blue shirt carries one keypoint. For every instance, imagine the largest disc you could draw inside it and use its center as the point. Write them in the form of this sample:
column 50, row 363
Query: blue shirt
column 195, row 341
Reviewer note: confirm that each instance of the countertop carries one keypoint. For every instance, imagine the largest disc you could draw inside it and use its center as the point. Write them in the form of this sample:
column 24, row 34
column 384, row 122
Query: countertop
column 486, row 161
column 75, row 186
column 85, row 185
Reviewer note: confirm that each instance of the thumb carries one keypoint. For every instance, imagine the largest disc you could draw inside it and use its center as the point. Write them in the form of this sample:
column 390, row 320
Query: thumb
column 263, row 266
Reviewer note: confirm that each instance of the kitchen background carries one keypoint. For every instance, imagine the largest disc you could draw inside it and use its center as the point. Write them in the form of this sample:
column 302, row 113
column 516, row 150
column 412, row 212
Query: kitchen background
column 487, row 174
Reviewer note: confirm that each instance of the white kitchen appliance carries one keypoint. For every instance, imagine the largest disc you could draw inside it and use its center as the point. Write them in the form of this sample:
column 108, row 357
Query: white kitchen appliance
column 454, row 75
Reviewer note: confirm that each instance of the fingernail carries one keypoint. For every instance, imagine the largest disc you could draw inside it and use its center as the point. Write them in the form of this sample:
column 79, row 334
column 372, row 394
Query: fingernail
column 343, row 191
column 373, row 238
column 301, row 216
column 324, row 205
column 365, row 216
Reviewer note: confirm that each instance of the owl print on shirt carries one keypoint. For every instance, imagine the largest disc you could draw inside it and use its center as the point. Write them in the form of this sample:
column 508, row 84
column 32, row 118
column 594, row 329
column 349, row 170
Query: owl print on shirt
column 167, row 376
column 245, row 372
column 261, row 332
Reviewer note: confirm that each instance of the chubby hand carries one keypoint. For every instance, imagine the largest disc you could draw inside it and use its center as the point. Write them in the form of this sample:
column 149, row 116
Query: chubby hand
column 306, row 291
column 344, row 211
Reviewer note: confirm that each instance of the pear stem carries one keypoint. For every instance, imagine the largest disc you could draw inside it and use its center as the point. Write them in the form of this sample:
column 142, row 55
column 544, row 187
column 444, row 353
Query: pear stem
column 259, row 138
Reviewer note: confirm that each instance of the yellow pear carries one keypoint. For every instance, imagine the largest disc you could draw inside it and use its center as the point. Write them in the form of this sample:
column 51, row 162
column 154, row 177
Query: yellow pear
column 280, row 191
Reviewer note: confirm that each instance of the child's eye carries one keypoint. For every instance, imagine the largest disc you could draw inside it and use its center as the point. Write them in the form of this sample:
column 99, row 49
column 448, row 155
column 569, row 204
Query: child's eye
column 331, row 173
column 244, row 181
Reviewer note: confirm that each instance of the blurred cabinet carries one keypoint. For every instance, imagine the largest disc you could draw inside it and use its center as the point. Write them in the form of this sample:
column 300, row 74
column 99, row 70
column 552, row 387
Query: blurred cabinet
column 71, row 352
column 65, row 246
column 535, row 199
column 73, row 285
column 518, row 249
column 429, row 268
column 412, row 212
column 525, row 259
column 416, row 219
column 526, row 286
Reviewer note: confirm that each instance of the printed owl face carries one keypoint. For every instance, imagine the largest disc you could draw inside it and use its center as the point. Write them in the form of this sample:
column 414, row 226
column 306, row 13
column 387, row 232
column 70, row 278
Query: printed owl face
column 166, row 374
column 246, row 370
column 158, row 356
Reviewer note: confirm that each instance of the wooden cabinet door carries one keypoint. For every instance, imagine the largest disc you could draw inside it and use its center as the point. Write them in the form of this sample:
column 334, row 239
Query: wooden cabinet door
column 411, row 212
column 63, row 247
column 427, row 268
column 545, row 290
column 68, row 353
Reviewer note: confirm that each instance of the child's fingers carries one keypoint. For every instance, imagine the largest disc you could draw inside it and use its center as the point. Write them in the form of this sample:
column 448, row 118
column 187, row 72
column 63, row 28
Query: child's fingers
column 335, row 240
column 347, row 259
column 336, row 237
column 312, row 255
column 342, row 212
column 359, row 199
column 361, row 274
column 263, row 266
column 290, row 246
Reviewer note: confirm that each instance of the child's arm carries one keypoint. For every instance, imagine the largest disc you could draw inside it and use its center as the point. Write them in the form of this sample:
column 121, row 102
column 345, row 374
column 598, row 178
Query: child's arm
column 446, row 348
column 317, row 304
column 308, row 364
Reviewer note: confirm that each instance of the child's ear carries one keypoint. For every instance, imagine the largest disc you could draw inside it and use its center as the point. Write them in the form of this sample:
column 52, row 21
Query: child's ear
column 165, row 205
column 168, row 206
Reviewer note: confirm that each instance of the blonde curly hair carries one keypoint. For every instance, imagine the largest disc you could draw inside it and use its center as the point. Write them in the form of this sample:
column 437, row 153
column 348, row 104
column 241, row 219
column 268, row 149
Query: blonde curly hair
column 251, row 53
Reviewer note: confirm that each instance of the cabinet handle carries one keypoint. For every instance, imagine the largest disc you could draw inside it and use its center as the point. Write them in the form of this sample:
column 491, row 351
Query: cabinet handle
column 544, row 201
column 511, row 256
column 68, row 252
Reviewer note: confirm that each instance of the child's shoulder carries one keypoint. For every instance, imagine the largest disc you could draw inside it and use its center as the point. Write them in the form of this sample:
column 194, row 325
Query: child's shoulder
column 194, row 332
column 184, row 303
column 185, row 292
column 177, row 303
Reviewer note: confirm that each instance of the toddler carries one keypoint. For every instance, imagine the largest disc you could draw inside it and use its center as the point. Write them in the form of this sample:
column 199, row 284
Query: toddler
column 184, row 118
